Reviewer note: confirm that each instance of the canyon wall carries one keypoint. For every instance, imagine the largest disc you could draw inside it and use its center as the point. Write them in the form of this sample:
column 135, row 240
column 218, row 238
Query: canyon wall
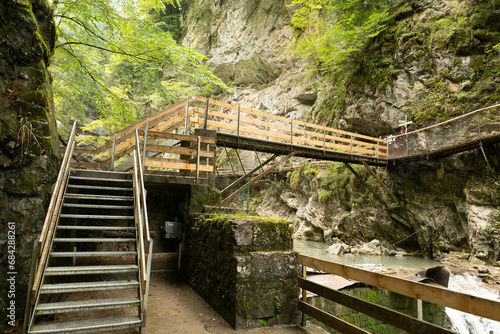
column 437, row 60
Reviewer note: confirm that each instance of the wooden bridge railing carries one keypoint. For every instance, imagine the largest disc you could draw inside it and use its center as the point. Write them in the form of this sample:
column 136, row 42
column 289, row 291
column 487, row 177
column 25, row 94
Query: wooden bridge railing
column 471, row 128
column 256, row 124
column 429, row 293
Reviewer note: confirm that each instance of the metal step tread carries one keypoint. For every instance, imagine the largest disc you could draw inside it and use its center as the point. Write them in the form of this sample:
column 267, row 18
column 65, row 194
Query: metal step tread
column 98, row 197
column 83, row 254
column 81, row 186
column 94, row 239
column 87, row 326
column 98, row 206
column 97, row 228
column 103, row 269
column 100, row 179
column 90, row 304
column 75, row 215
column 88, row 286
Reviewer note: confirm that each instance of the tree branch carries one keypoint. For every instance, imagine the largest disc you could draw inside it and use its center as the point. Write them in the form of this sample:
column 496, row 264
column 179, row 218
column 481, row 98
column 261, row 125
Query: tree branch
column 136, row 56
column 83, row 25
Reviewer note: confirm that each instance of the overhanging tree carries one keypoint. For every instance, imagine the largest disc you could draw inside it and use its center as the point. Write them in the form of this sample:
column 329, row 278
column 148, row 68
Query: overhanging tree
column 114, row 62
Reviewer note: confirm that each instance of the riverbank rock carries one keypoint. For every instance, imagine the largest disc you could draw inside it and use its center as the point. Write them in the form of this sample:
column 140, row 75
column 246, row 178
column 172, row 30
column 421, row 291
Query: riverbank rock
column 338, row 249
column 374, row 247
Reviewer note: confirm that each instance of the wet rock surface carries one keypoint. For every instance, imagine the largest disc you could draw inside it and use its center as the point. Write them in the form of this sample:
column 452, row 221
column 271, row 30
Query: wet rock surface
column 28, row 134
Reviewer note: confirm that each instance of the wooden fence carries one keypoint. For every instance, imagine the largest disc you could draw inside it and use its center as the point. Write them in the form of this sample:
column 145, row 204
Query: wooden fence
column 429, row 293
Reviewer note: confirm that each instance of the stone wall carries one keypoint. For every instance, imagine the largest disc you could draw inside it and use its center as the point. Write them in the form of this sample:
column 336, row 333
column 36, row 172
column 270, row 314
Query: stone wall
column 245, row 268
column 28, row 133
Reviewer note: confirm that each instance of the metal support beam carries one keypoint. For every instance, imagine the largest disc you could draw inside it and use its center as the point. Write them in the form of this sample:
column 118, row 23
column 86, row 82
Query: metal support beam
column 484, row 155
column 380, row 181
column 258, row 177
column 366, row 185
column 241, row 163
column 229, row 159
column 250, row 173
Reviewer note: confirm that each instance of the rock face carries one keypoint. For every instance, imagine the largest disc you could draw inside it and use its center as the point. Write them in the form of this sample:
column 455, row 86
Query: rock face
column 28, row 134
column 459, row 213
column 244, row 42
column 437, row 60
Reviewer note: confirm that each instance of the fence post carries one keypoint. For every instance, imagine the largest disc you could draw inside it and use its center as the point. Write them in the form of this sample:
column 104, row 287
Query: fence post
column 291, row 134
column 206, row 115
column 186, row 117
column 112, row 167
column 351, row 143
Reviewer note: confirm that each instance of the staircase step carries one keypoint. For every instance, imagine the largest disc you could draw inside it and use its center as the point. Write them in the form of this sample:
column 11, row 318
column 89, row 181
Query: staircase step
column 86, row 305
column 93, row 174
column 97, row 206
column 69, row 215
column 100, row 180
column 88, row 286
column 96, row 228
column 87, row 326
column 79, row 186
column 94, row 239
column 85, row 254
column 83, row 270
column 98, row 197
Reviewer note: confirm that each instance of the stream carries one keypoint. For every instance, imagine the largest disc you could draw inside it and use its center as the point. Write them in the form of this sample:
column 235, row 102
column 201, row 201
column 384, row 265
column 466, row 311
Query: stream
column 462, row 323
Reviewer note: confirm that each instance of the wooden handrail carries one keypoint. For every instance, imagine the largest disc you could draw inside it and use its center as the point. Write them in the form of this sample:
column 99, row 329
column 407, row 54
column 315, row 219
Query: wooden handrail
column 432, row 294
column 284, row 119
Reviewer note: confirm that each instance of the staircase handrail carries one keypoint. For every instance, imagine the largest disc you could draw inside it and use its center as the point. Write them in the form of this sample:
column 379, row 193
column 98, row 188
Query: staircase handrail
column 142, row 225
column 49, row 227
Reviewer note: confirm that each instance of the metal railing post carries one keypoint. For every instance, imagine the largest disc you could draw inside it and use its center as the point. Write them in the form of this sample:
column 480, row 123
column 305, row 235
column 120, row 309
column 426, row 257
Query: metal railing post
column 198, row 161
column 324, row 139
column 145, row 143
column 238, row 129
column 112, row 167
column 206, row 115
column 186, row 117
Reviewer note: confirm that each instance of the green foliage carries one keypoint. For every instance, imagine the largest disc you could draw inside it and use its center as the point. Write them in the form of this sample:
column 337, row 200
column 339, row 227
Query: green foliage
column 332, row 32
column 113, row 59
column 335, row 182
column 301, row 174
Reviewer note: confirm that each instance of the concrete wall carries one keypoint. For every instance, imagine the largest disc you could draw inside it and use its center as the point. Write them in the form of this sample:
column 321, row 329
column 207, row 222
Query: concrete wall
column 245, row 268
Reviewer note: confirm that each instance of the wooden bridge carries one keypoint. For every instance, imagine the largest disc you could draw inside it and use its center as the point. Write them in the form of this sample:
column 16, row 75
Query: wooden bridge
column 105, row 206
column 181, row 139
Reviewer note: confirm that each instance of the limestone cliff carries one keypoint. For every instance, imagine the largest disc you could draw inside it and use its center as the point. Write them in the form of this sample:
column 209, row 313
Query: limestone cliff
column 438, row 59
column 28, row 134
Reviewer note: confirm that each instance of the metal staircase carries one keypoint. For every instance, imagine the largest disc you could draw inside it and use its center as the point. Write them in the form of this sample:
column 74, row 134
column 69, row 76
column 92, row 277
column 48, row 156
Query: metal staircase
column 90, row 270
